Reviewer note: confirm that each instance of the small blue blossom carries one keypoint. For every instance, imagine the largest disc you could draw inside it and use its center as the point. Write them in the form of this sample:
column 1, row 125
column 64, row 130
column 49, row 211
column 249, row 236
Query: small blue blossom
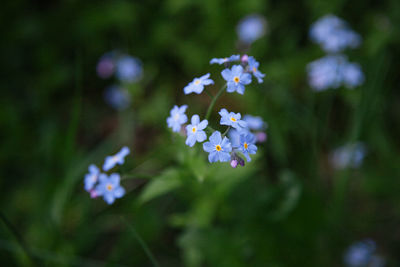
column 197, row 85
column 117, row 97
column 255, row 123
column 236, row 79
column 360, row 253
column 352, row 75
column 253, row 68
column 218, row 148
column 195, row 131
column 106, row 65
column 221, row 61
column 92, row 177
column 110, row 188
column 251, row 28
column 333, row 34
column 129, row 69
column 351, row 155
column 247, row 141
column 177, row 118
column 232, row 119
column 118, row 158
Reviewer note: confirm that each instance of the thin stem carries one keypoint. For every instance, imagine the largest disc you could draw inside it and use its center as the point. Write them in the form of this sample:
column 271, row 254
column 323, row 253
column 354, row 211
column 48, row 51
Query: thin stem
column 142, row 243
column 208, row 93
column 226, row 131
column 211, row 106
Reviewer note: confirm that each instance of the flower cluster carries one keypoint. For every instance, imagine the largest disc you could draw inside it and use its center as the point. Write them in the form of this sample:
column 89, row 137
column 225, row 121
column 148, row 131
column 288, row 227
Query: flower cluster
column 237, row 74
column 351, row 155
column 334, row 70
column 363, row 253
column 101, row 184
column 127, row 70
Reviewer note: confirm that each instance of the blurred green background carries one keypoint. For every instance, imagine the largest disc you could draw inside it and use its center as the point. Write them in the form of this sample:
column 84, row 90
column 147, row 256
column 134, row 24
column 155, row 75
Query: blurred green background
column 288, row 207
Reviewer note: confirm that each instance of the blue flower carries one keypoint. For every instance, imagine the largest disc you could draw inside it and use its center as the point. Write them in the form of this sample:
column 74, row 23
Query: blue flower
column 247, row 141
column 218, row 148
column 129, row 69
column 232, row 119
column 236, row 79
column 350, row 155
column 195, row 131
column 221, row 61
column 92, row 177
column 197, row 85
column 110, row 188
column 352, row 75
column 253, row 68
column 360, row 253
column 177, row 118
column 117, row 97
column 118, row 158
column 255, row 123
column 333, row 34
column 251, row 28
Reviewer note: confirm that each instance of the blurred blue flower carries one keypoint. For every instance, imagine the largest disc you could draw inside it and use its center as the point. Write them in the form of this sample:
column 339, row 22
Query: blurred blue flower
column 117, row 97
column 255, row 123
column 333, row 34
column 232, row 119
column 351, row 155
column 221, row 61
column 195, row 131
column 247, row 141
column 360, row 253
column 251, row 28
column 177, row 118
column 110, row 188
column 118, row 158
column 236, row 79
column 92, row 177
column 253, row 68
column 218, row 148
column 106, row 65
column 128, row 69
column 197, row 85
column 352, row 75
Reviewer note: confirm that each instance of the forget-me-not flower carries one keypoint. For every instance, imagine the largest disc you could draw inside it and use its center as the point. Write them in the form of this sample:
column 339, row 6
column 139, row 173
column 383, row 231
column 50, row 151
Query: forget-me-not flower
column 360, row 253
column 236, row 79
column 326, row 72
column 246, row 146
column 232, row 119
column 110, row 188
column 197, row 85
column 255, row 123
column 251, row 28
column 351, row 155
column 218, row 148
column 118, row 158
column 177, row 118
column 92, row 177
column 117, row 97
column 352, row 75
column 128, row 69
column 221, row 61
column 253, row 68
column 195, row 131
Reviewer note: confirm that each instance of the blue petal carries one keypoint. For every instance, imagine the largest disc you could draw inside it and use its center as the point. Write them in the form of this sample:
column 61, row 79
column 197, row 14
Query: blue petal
column 205, row 76
column 188, row 89
column 109, row 198
column 226, row 74
column 202, row 125
column 245, row 79
column 195, row 119
column 208, row 147
column 201, row 136
column 231, row 87
column 213, row 157
column 119, row 191
column 224, row 156
column 240, row 88
column 215, row 138
column 237, row 70
column 191, row 140
column 114, row 179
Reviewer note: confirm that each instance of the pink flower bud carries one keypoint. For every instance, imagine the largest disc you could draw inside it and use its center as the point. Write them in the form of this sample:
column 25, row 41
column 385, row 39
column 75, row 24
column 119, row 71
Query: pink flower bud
column 234, row 163
column 245, row 58
column 261, row 137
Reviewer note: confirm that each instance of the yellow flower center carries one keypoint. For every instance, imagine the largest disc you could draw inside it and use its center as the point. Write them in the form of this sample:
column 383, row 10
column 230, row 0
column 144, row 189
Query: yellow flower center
column 197, row 82
column 254, row 69
column 233, row 119
column 194, row 129
column 218, row 147
column 236, row 79
column 109, row 187
column 245, row 145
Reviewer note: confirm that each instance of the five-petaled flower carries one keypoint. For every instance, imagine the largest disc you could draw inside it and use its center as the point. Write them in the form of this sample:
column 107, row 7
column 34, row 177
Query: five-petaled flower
column 92, row 177
column 195, row 131
column 118, row 158
column 218, row 148
column 247, row 146
column 236, row 79
column 232, row 119
column 221, row 61
column 177, row 118
column 109, row 187
column 253, row 68
column 197, row 85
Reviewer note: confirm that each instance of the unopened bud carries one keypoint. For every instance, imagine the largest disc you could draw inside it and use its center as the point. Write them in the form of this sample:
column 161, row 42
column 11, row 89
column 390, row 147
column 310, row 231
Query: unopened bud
column 244, row 58
column 241, row 161
column 234, row 163
column 93, row 193
column 261, row 137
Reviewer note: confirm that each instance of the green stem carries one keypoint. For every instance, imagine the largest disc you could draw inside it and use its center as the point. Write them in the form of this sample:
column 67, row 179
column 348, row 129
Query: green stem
column 211, row 106
column 142, row 243
column 226, row 131
column 208, row 93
